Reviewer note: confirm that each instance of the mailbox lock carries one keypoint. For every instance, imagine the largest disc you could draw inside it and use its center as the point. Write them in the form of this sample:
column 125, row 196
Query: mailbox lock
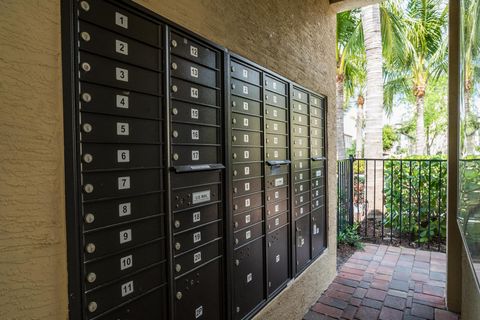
column 174, row 43
column 179, row 295
column 85, row 36
column 235, row 172
column 177, row 224
column 175, row 133
column 233, row 85
column 236, row 224
column 267, row 112
column 268, row 198
column 85, row 6
column 87, row 158
column 177, row 246
column 89, row 218
column 92, row 306
column 232, row 68
column 88, row 188
column 238, row 309
column 235, row 190
column 234, row 104
column 234, row 156
column 236, row 207
column 174, row 88
column 87, row 127
column 86, row 66
column 269, row 244
column 234, row 120
column 91, row 277
column 86, row 97
column 175, row 156
column 175, row 111
column 236, row 240
column 237, row 262
column 90, row 248
column 178, row 268
column 234, row 138
column 174, row 66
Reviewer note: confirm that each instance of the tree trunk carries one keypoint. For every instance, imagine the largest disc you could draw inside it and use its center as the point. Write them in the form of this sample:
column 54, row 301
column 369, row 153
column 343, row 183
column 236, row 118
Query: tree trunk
column 420, row 142
column 359, row 125
column 374, row 107
column 340, row 116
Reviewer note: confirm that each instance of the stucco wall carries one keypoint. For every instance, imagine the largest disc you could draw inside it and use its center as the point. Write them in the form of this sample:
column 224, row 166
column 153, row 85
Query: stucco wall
column 293, row 38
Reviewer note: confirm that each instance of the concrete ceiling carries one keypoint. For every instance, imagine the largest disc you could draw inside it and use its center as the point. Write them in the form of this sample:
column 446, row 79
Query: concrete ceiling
column 344, row 5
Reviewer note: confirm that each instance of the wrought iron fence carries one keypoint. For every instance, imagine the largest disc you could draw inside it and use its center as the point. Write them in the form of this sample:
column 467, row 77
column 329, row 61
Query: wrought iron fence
column 400, row 201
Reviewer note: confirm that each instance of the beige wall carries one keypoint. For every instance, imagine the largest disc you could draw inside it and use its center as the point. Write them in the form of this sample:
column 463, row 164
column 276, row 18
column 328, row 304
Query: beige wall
column 470, row 291
column 293, row 38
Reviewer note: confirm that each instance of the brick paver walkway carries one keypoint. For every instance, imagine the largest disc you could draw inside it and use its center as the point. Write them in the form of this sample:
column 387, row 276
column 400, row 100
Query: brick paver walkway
column 387, row 283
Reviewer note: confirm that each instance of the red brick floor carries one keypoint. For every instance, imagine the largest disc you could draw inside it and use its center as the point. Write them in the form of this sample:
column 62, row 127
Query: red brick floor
column 386, row 283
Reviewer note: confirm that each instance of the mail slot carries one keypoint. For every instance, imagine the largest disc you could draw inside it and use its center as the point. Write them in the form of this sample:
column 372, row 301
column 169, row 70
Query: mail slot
column 248, row 234
column 121, row 21
column 275, row 113
column 248, row 218
column 315, row 101
column 276, row 140
column 275, row 99
column 195, row 217
column 99, row 99
column 302, row 243
column 244, row 89
column 277, row 207
column 300, row 153
column 184, row 69
column 101, row 128
column 301, row 131
column 301, row 176
column 276, row 127
column 195, row 258
column 300, row 95
column 194, row 238
column 187, row 48
column 111, row 212
column 109, row 72
column 242, row 154
column 274, row 195
column 276, row 153
column 243, row 105
column 278, row 259
column 248, row 202
column 301, row 165
column 300, row 142
column 247, row 170
column 246, row 138
column 122, row 237
column 125, row 289
column 240, row 71
column 99, row 185
column 275, row 85
column 277, row 221
column 194, row 93
column 301, row 198
column 192, row 113
column 119, row 265
column 190, row 179
column 300, row 119
column 195, row 155
column 194, row 196
column 242, row 187
column 248, row 278
column 276, row 170
column 299, row 107
column 198, row 294
column 301, row 187
column 276, row 181
column 113, row 45
column 194, row 134
column 241, row 121
column 301, row 211
column 318, row 232
column 120, row 156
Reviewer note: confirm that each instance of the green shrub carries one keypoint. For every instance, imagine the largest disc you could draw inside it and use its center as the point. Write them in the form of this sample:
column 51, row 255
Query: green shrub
column 350, row 236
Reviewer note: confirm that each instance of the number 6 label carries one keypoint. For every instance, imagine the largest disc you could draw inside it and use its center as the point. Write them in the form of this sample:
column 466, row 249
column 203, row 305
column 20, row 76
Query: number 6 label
column 123, row 156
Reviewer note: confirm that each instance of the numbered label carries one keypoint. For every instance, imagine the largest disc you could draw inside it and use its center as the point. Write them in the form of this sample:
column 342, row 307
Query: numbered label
column 277, row 208
column 275, row 113
column 277, row 258
column 275, row 154
column 248, row 234
column 126, row 262
column 194, row 51
column 123, row 183
column 275, row 140
column 277, row 221
column 247, row 218
column 247, row 186
column 246, row 138
column 197, row 257
column 121, row 74
column 274, row 99
column 195, row 134
column 123, row 155
column 245, row 73
column 274, row 85
column 124, row 209
column 275, row 126
column 123, row 129
column 245, row 122
column 247, row 171
column 198, row 312
column 247, row 202
column 194, row 113
column 125, row 236
column 245, row 105
column 127, row 288
column 245, row 89
column 197, row 236
column 194, row 93
column 195, row 155
column 194, row 72
column 121, row 47
column 121, row 20
column 246, row 154
column 277, row 195
column 249, row 277
column 278, row 182
column 196, row 217
column 122, row 101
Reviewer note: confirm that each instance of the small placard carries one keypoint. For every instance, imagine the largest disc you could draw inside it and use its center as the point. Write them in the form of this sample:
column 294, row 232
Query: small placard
column 123, row 183
column 126, row 262
column 121, row 47
column 122, row 101
column 124, row 209
column 121, row 74
column 196, row 217
column 123, row 156
column 127, row 288
column 125, row 236
column 201, row 196
column 121, row 20
column 197, row 236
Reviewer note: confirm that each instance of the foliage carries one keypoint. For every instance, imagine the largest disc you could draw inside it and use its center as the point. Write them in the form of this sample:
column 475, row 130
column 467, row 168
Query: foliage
column 350, row 236
column 351, row 150
column 389, row 137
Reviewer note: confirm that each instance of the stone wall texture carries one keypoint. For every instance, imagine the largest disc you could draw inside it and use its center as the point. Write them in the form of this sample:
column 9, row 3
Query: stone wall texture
column 293, row 38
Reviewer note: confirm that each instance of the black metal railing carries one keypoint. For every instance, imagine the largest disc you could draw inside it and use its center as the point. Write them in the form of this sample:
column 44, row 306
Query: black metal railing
column 400, row 201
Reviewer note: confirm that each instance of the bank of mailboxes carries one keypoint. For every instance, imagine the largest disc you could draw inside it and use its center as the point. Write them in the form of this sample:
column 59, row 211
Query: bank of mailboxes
column 200, row 175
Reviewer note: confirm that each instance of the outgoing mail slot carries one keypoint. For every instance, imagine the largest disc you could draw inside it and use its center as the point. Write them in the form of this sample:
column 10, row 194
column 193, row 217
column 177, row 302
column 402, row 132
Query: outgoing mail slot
column 302, row 243
column 198, row 294
column 300, row 142
column 301, row 187
column 240, row 121
column 276, row 153
column 241, row 187
column 110, row 212
column 276, row 127
column 249, row 234
column 276, row 140
column 241, row 171
column 121, row 21
column 275, row 85
column 301, row 176
column 274, row 195
column 196, row 237
column 299, row 107
column 248, row 218
column 276, row 170
column 191, row 113
column 246, row 154
column 190, row 179
column 195, row 155
column 244, row 89
column 275, row 99
column 243, row 105
column 301, row 211
column 248, row 278
column 100, row 128
column 246, row 138
column 97, row 156
column 106, row 100
column 245, row 203
column 127, row 262
column 195, row 217
column 300, row 95
column 277, row 208
column 192, row 50
column 300, row 119
column 121, row 237
column 184, row 69
column 117, row 74
column 277, row 221
column 301, row 198
column 125, row 289
column 301, row 131
column 244, row 73
column 275, row 113
column 195, row 258
column 194, row 196
column 120, row 183
column 298, row 154
column 276, row 181
column 112, row 45
column 194, row 134
column 194, row 93
column 299, row 165
column 278, row 259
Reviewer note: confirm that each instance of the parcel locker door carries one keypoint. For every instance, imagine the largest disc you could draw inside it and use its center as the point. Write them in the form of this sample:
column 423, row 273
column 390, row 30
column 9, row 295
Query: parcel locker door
column 318, row 231
column 278, row 259
column 302, row 242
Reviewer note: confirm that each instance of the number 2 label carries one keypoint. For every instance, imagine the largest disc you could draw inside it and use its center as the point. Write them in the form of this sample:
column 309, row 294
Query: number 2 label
column 121, row 47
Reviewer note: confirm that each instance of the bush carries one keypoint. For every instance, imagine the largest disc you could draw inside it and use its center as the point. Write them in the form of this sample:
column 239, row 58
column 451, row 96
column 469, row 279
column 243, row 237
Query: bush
column 350, row 236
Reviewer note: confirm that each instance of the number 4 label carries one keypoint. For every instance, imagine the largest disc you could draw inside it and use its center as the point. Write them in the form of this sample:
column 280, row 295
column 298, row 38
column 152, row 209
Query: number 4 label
column 122, row 101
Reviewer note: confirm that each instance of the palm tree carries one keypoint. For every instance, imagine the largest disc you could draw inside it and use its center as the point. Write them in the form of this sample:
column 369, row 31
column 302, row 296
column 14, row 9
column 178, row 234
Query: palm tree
column 359, row 125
